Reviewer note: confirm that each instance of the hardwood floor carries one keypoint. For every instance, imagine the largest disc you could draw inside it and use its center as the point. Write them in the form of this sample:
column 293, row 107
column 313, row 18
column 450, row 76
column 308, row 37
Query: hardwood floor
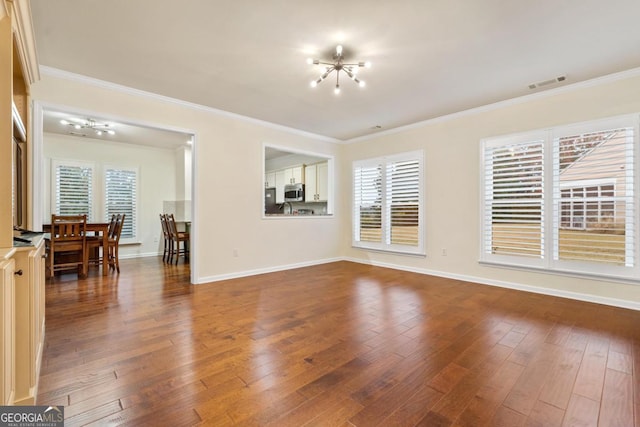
column 331, row 345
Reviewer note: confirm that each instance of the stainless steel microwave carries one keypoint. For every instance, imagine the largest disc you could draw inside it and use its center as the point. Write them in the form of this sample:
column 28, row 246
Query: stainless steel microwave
column 294, row 193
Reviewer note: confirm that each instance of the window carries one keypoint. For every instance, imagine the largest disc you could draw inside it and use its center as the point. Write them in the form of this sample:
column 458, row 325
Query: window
column 120, row 197
column 73, row 189
column 563, row 199
column 387, row 213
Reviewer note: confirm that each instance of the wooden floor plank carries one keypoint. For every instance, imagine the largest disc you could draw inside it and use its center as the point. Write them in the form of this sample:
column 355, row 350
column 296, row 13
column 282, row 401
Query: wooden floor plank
column 590, row 379
column 333, row 344
column 617, row 400
column 562, row 375
column 581, row 412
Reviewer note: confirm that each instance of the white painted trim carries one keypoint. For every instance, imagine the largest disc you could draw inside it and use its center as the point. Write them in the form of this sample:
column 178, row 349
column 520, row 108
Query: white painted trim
column 615, row 302
column 38, row 159
column 254, row 272
column 25, row 40
column 54, row 72
column 143, row 255
column 634, row 72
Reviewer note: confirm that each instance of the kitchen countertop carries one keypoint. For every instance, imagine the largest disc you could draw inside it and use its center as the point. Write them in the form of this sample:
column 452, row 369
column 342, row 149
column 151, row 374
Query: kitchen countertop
column 26, row 239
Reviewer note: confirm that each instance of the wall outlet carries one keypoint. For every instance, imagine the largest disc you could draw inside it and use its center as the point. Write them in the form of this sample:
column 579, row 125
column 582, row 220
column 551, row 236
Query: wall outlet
column 235, row 253
column 443, row 252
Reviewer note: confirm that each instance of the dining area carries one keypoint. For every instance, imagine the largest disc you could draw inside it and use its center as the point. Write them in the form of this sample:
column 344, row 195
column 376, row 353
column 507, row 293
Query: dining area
column 74, row 244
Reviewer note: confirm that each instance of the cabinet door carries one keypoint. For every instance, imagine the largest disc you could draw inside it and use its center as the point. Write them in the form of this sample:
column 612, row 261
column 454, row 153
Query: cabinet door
column 7, row 340
column 310, row 183
column 322, row 185
column 281, row 181
column 297, row 175
column 270, row 179
column 288, row 176
column 36, row 282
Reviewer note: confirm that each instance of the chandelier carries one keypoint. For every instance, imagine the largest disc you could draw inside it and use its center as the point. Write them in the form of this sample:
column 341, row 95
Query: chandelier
column 91, row 125
column 338, row 64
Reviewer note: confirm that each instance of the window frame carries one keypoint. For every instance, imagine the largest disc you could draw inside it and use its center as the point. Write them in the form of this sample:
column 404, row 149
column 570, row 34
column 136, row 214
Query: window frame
column 552, row 211
column 386, row 217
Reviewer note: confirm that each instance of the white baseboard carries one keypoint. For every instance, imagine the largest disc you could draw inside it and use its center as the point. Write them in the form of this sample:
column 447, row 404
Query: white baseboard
column 144, row 255
column 614, row 302
column 254, row 272
column 632, row 305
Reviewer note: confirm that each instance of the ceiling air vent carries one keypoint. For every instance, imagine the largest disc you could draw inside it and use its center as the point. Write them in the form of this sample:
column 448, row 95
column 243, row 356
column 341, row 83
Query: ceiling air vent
column 547, row 82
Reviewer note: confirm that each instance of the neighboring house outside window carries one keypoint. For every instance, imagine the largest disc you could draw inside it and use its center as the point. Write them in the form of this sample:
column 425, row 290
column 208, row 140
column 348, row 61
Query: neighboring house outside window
column 563, row 199
column 388, row 200
column 587, row 208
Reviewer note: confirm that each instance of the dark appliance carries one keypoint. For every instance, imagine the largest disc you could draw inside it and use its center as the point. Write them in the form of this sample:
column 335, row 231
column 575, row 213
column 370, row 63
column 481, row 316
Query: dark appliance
column 270, row 206
column 294, row 193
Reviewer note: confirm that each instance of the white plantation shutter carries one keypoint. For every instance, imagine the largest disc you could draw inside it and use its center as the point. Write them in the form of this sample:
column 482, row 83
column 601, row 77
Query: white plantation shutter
column 368, row 203
column 564, row 199
column 593, row 196
column 403, row 196
column 73, row 189
column 121, row 196
column 388, row 203
column 513, row 199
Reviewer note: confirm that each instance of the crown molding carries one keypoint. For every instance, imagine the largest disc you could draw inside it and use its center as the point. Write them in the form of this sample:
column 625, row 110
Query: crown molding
column 25, row 39
column 610, row 78
column 57, row 73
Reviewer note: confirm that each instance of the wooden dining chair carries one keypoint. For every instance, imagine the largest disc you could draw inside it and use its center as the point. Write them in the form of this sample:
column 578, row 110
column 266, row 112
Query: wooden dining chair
column 176, row 238
column 114, row 243
column 94, row 243
column 67, row 245
column 168, row 246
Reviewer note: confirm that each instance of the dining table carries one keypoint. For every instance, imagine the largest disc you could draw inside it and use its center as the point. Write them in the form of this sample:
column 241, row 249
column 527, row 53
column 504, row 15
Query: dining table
column 99, row 229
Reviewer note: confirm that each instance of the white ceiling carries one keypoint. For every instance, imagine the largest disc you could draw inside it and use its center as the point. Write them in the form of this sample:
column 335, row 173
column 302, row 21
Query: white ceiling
column 430, row 57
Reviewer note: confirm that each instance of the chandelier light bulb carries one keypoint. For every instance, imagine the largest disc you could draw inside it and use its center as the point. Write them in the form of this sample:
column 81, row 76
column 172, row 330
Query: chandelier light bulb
column 361, row 83
column 367, row 64
column 64, row 122
column 314, row 83
column 337, row 90
column 77, row 126
column 339, row 50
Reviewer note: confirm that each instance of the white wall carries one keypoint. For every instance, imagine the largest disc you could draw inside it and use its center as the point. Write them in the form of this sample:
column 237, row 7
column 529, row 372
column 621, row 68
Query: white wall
column 228, row 178
column 156, row 174
column 452, row 190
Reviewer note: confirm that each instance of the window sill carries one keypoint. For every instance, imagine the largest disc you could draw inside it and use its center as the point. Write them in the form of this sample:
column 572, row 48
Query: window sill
column 286, row 216
column 630, row 280
column 130, row 243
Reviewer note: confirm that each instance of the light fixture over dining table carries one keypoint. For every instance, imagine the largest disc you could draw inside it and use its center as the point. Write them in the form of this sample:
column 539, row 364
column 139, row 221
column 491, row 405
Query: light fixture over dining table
column 90, row 124
column 338, row 64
